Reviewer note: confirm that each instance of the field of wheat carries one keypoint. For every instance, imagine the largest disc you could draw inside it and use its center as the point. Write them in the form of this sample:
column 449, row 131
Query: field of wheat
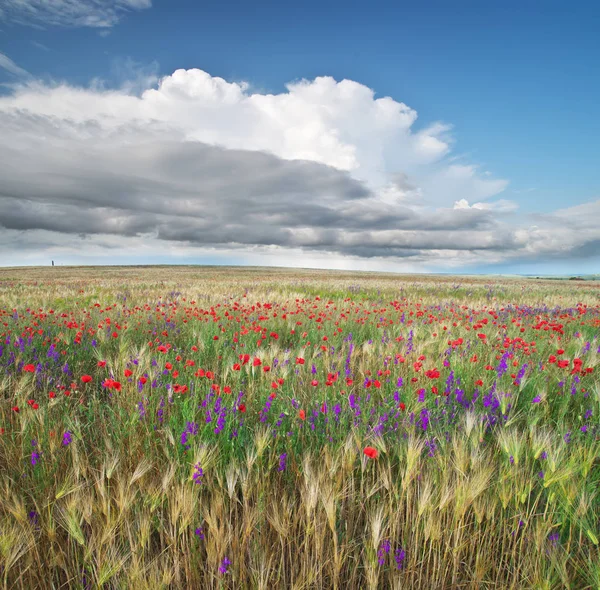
column 262, row 428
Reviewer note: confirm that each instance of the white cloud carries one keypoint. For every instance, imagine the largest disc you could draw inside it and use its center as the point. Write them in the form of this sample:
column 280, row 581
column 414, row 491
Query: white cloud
column 69, row 13
column 339, row 124
column 10, row 66
column 500, row 206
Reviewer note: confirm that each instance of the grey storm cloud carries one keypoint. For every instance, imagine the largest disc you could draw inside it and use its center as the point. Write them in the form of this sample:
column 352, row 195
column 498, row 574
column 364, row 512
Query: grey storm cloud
column 75, row 179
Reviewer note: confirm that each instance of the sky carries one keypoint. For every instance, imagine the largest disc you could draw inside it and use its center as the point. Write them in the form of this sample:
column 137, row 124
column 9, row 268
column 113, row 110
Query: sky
column 391, row 136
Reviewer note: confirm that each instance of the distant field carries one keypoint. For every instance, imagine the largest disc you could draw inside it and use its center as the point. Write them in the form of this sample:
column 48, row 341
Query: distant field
column 187, row 427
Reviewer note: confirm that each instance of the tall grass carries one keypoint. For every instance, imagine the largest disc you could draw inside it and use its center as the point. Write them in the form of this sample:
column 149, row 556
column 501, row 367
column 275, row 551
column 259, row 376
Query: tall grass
column 490, row 486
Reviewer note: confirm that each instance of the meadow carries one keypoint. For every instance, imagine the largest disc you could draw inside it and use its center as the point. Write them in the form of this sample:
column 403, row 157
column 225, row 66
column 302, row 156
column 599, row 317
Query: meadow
column 183, row 427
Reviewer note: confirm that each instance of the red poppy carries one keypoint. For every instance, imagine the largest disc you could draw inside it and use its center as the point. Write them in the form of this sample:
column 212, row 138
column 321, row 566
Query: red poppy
column 86, row 378
column 302, row 415
column 371, row 452
column 242, row 408
column 128, row 373
column 29, row 368
column 300, row 360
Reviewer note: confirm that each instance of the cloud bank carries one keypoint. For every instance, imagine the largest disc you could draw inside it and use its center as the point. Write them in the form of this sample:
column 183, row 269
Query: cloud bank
column 324, row 171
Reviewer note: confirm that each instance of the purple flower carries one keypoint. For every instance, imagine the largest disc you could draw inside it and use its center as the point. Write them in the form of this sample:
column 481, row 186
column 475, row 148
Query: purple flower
column 199, row 533
column 399, row 556
column 384, row 549
column 67, row 438
column 34, row 455
column 198, row 474
column 282, row 463
column 536, row 400
column 224, row 565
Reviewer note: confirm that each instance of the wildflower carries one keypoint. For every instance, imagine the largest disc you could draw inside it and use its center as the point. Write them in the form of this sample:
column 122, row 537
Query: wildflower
column 29, row 368
column 67, row 438
column 199, row 532
column 399, row 556
column 34, row 455
column 371, row 452
column 224, row 565
column 302, row 415
column 282, row 462
column 198, row 474
column 86, row 378
column 384, row 549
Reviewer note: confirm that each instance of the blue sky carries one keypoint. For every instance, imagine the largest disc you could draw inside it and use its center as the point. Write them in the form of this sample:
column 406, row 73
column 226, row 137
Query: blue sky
column 515, row 84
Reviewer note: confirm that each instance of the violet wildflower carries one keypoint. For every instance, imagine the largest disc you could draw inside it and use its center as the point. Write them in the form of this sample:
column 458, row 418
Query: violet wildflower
column 282, row 462
column 199, row 532
column 198, row 474
column 67, row 438
column 399, row 556
column 35, row 458
column 224, row 565
column 384, row 549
